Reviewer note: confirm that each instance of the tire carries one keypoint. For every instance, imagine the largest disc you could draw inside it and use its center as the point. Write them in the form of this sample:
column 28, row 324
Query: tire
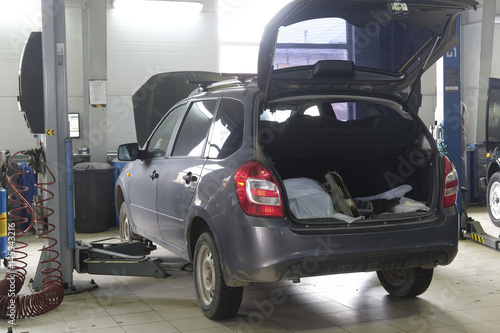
column 216, row 299
column 493, row 198
column 126, row 233
column 406, row 283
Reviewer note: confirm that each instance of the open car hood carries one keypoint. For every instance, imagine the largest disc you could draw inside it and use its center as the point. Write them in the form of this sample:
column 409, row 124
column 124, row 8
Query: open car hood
column 162, row 91
column 350, row 46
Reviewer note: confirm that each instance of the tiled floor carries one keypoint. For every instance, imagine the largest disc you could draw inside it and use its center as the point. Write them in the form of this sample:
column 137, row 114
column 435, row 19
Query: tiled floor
column 463, row 297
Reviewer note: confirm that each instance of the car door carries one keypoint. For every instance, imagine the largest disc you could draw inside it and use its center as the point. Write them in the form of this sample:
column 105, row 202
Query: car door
column 144, row 175
column 181, row 171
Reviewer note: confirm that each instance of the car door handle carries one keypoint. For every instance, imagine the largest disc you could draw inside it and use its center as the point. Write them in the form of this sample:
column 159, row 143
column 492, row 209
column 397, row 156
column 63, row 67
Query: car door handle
column 188, row 178
column 154, row 175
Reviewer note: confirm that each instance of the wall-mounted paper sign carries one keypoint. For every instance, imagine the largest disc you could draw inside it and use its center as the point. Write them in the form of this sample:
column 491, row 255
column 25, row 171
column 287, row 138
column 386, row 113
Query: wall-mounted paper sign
column 98, row 93
column 74, row 125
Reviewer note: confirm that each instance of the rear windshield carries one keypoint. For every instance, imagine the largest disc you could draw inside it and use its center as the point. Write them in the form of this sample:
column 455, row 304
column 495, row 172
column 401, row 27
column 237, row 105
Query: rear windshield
column 391, row 46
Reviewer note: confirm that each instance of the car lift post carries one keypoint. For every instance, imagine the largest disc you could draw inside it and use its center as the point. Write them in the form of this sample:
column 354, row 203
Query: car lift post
column 475, row 232
column 55, row 142
column 452, row 108
column 455, row 144
column 107, row 257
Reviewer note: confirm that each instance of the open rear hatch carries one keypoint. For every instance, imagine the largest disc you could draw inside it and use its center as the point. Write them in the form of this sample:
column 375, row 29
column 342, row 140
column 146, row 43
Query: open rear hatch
column 318, row 46
column 338, row 77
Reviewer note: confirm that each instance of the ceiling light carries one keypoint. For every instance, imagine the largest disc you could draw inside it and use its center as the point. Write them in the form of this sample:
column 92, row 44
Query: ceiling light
column 184, row 5
column 178, row 7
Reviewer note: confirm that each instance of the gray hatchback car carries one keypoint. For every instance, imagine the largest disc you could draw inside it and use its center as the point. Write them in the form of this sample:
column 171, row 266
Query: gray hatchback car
column 317, row 165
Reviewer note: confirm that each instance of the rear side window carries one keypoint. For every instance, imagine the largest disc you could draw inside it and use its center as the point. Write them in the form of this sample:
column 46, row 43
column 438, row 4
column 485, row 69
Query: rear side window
column 349, row 111
column 227, row 135
column 194, row 130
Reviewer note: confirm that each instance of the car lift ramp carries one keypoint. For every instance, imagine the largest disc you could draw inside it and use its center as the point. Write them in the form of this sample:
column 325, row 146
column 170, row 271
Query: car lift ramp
column 476, row 233
column 111, row 256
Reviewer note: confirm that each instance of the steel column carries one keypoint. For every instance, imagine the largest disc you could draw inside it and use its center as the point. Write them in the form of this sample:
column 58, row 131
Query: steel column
column 94, row 46
column 452, row 120
column 56, row 123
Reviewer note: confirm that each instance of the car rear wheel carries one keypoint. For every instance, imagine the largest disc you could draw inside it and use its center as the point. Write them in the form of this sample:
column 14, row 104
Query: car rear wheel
column 215, row 298
column 405, row 283
column 493, row 200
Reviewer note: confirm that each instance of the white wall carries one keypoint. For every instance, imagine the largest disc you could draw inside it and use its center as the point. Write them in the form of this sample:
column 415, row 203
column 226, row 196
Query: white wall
column 495, row 68
column 145, row 42
column 471, row 52
column 428, row 108
column 141, row 43
column 474, row 87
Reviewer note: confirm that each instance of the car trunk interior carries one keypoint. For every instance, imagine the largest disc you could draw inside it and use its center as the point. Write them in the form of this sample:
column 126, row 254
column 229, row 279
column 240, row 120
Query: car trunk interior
column 373, row 153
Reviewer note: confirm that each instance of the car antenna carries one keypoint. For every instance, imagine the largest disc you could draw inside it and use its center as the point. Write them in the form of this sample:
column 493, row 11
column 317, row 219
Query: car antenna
column 407, row 101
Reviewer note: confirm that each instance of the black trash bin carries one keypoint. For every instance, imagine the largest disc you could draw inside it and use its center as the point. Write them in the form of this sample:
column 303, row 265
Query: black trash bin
column 93, row 192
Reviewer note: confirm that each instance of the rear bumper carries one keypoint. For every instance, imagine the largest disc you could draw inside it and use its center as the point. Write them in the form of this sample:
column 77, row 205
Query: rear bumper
column 266, row 250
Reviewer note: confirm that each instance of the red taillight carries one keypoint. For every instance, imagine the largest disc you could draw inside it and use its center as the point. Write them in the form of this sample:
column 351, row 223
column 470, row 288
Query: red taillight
column 450, row 186
column 258, row 191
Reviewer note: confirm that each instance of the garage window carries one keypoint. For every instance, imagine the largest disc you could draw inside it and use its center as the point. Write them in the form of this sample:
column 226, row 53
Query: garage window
column 305, row 43
column 241, row 25
column 391, row 46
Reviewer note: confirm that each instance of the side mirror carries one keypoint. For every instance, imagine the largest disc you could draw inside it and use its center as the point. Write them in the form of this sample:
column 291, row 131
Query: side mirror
column 129, row 152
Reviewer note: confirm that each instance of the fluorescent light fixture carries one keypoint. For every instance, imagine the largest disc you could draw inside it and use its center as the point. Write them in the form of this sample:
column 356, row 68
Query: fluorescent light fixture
column 176, row 7
column 497, row 19
column 183, row 6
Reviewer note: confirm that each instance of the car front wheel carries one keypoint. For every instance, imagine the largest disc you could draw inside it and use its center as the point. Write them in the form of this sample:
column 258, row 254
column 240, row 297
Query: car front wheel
column 126, row 233
column 216, row 299
column 493, row 199
column 405, row 283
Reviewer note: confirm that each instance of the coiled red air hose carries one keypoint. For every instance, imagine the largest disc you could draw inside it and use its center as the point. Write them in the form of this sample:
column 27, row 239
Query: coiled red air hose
column 51, row 295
